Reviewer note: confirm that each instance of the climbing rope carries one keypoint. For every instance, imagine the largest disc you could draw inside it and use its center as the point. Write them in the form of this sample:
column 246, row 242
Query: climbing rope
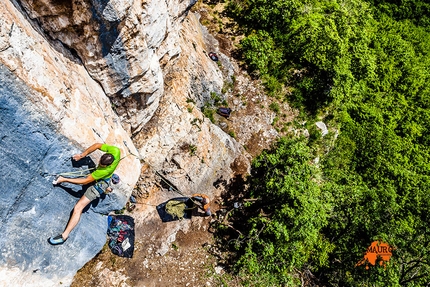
column 171, row 186
column 176, row 208
column 76, row 173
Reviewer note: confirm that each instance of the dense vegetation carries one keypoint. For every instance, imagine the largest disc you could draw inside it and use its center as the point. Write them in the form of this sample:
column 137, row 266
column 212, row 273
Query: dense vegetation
column 363, row 67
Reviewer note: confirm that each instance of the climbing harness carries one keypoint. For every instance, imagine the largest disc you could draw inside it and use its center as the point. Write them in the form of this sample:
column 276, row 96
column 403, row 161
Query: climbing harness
column 102, row 185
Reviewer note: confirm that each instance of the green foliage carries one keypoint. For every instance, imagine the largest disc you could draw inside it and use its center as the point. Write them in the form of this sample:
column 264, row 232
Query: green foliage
column 189, row 100
column 261, row 52
column 192, row 149
column 208, row 112
column 381, row 186
column 286, row 232
column 274, row 106
column 197, row 123
column 416, row 11
column 232, row 134
column 272, row 85
column 228, row 85
column 366, row 64
column 217, row 100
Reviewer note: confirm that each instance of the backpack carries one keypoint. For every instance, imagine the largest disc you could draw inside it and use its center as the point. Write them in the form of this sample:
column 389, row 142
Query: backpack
column 225, row 112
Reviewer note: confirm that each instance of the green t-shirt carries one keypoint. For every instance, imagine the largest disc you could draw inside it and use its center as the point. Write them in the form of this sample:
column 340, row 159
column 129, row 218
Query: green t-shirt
column 105, row 172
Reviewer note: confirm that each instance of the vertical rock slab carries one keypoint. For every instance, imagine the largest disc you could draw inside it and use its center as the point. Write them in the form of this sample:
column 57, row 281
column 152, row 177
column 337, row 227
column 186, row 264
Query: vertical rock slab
column 50, row 109
column 31, row 208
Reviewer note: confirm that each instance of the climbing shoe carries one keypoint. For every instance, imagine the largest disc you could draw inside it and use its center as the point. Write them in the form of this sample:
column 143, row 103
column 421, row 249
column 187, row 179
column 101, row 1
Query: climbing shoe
column 55, row 181
column 57, row 240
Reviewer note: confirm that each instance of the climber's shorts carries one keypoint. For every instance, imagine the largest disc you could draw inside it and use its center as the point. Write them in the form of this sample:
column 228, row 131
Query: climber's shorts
column 92, row 193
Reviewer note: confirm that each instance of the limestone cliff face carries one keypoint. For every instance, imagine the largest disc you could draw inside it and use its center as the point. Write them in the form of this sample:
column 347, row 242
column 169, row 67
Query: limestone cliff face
column 126, row 72
column 50, row 109
column 120, row 43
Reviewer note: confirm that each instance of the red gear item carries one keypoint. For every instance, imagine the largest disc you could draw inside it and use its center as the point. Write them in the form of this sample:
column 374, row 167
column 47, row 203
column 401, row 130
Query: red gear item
column 205, row 201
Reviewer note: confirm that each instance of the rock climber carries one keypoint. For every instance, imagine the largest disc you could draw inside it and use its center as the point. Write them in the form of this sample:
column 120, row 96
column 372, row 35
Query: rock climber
column 100, row 177
column 204, row 201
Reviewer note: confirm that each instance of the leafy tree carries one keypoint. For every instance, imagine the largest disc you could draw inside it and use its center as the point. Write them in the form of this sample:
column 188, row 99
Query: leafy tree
column 285, row 233
column 416, row 11
column 380, row 194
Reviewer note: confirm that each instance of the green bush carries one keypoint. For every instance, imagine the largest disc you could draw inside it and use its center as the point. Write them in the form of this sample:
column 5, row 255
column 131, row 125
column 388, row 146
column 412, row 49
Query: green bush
column 274, row 106
column 209, row 113
column 285, row 232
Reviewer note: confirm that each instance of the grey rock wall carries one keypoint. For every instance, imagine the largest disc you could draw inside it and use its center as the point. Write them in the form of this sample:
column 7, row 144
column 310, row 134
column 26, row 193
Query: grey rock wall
column 31, row 208
column 50, row 109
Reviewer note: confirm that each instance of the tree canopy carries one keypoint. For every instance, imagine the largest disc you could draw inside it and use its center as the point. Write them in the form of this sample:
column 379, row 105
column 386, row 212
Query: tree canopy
column 362, row 66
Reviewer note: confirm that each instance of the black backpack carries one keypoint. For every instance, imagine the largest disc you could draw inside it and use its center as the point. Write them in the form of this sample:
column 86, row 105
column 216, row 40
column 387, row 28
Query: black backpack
column 225, row 112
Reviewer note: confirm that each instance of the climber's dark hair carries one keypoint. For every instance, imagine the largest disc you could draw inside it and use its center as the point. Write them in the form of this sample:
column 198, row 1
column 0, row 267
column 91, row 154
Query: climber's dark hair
column 107, row 159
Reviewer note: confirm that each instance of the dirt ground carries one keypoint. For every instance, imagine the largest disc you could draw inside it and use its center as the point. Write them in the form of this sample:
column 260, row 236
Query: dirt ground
column 192, row 258
column 187, row 261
